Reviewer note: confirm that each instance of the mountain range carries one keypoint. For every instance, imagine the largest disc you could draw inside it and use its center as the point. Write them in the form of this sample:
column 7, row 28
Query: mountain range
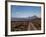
column 25, row 19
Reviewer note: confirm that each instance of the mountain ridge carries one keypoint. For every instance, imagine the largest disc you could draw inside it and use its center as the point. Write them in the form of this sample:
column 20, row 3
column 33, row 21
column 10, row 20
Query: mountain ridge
column 24, row 19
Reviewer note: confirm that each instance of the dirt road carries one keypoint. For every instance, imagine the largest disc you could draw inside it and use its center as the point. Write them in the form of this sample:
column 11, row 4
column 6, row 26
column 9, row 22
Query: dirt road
column 31, row 26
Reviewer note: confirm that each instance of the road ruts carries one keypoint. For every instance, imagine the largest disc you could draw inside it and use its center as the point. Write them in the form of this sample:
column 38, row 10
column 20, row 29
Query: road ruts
column 31, row 26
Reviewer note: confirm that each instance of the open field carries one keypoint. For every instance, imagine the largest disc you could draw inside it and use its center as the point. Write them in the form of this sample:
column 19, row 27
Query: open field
column 26, row 25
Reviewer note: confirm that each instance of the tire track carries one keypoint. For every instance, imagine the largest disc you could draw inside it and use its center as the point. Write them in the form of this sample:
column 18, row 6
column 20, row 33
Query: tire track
column 31, row 26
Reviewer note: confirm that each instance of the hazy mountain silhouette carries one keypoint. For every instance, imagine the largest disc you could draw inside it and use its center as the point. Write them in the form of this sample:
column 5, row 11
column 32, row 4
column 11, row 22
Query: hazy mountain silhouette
column 25, row 19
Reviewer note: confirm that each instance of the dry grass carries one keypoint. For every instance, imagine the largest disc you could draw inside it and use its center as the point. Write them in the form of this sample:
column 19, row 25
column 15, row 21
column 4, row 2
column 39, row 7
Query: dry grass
column 19, row 26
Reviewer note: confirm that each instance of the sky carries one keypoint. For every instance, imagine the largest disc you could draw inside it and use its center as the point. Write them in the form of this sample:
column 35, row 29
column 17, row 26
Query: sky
column 25, row 11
